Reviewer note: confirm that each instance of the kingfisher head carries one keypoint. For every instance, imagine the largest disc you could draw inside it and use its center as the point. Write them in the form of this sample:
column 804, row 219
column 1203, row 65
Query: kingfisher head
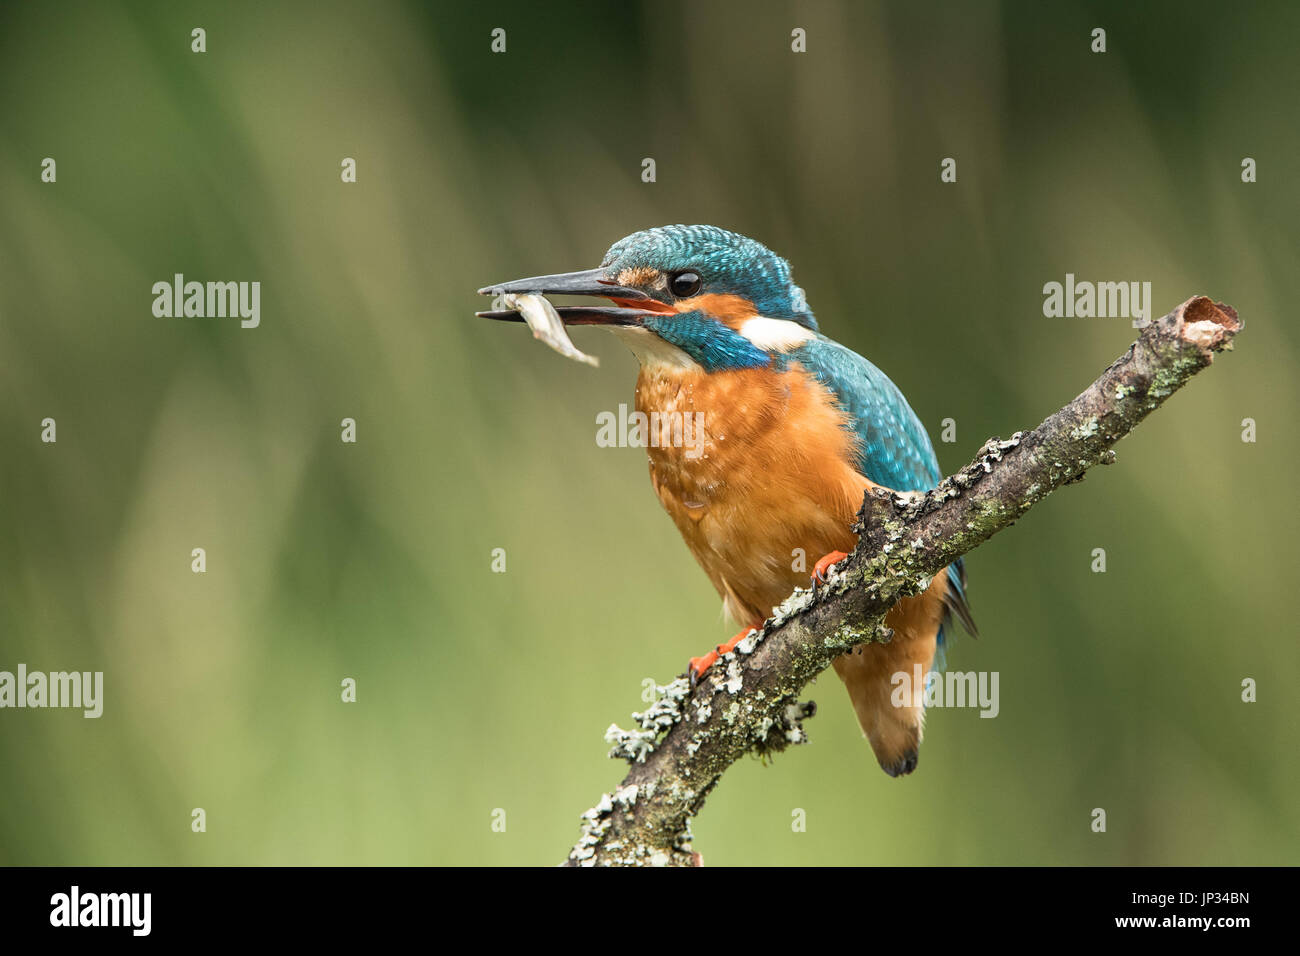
column 691, row 295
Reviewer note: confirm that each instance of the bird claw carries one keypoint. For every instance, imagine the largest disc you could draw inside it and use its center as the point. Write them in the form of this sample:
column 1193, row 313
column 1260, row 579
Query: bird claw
column 824, row 565
column 700, row 665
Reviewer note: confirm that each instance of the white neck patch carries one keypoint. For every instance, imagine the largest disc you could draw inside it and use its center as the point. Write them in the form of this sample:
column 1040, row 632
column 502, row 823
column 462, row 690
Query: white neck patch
column 775, row 335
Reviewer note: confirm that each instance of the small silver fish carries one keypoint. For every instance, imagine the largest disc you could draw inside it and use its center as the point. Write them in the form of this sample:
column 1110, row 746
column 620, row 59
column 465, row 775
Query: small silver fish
column 545, row 322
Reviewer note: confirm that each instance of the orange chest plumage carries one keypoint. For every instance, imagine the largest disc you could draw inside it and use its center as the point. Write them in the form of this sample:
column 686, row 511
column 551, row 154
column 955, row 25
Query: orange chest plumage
column 755, row 467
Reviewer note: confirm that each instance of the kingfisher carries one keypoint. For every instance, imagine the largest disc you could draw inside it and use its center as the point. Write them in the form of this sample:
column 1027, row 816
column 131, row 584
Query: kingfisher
column 796, row 428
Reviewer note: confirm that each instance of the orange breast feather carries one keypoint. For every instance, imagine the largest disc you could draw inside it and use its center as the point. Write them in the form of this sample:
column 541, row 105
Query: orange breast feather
column 770, row 489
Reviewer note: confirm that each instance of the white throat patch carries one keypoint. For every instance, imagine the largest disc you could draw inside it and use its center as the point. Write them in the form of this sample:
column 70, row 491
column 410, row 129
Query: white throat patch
column 652, row 351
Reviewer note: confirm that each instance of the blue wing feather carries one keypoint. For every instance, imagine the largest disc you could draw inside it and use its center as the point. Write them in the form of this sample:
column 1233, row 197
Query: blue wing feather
column 894, row 449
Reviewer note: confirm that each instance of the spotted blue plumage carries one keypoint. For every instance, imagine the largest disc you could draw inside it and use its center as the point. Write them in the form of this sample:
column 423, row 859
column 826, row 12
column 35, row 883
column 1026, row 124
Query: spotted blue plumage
column 895, row 450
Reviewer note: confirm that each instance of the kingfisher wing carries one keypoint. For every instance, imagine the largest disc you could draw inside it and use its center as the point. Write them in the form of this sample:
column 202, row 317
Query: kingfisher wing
column 893, row 447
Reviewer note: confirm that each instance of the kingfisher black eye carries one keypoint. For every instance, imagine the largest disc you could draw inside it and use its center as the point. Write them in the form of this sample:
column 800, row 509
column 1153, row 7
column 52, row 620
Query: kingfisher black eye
column 684, row 284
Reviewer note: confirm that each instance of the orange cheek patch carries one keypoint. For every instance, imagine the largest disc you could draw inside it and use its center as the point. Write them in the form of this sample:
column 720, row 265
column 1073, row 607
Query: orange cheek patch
column 731, row 310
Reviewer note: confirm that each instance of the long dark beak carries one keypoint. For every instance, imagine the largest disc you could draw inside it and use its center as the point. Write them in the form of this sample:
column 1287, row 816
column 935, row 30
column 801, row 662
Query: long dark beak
column 591, row 282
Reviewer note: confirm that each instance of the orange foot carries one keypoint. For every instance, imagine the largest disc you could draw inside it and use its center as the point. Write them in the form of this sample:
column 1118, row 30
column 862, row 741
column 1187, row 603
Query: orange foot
column 701, row 664
column 824, row 565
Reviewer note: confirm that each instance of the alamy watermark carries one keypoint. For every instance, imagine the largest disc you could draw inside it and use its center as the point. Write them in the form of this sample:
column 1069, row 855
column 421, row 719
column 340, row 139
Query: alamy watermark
column 208, row 300
column 1102, row 300
column 670, row 429
column 75, row 908
column 953, row 689
column 75, row 689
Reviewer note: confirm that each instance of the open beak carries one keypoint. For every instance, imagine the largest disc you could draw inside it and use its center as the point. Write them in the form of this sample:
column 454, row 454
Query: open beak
column 592, row 282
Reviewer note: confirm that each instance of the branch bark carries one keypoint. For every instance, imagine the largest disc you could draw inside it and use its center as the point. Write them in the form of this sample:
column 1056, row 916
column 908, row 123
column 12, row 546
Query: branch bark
column 749, row 701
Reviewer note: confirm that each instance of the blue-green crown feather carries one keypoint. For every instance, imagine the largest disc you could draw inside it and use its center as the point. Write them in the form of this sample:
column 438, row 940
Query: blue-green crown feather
column 728, row 262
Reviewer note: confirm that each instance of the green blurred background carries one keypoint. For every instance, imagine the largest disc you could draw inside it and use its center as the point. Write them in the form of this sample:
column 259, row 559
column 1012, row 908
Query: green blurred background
column 479, row 691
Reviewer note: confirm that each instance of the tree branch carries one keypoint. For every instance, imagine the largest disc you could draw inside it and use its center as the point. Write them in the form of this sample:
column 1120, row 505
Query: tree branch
column 749, row 701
